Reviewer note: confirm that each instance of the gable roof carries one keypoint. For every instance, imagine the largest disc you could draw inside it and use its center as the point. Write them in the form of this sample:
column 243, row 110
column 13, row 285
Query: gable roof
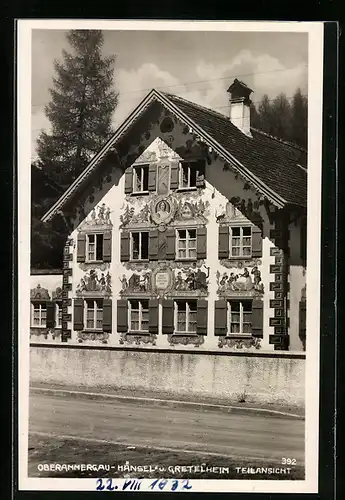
column 275, row 168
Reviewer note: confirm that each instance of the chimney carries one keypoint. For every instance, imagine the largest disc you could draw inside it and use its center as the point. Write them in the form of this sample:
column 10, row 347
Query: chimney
column 240, row 106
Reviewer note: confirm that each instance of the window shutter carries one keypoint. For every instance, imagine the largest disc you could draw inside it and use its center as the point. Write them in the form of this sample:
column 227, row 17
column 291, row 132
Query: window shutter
column 223, row 242
column 220, row 317
column 257, row 318
column 174, row 175
column 129, row 180
column 200, row 173
column 168, row 317
column 81, row 247
column 152, row 177
column 122, row 316
column 202, row 315
column 125, row 246
column 256, row 241
column 107, row 246
column 201, row 242
column 302, row 319
column 171, row 243
column 51, row 307
column 153, row 245
column 153, row 316
column 107, row 315
column 78, row 314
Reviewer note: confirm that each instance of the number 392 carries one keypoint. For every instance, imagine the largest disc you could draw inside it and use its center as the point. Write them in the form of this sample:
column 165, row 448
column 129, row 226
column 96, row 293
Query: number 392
column 289, row 461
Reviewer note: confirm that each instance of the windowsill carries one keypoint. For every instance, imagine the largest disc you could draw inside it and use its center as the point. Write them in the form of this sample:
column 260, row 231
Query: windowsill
column 94, row 262
column 187, row 259
column 186, row 333
column 138, row 332
column 239, row 336
column 239, row 257
column 92, row 330
column 38, row 326
column 139, row 193
column 139, row 260
column 193, row 188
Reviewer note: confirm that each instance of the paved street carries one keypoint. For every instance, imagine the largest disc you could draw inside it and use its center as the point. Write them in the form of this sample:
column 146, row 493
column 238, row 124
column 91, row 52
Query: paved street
column 239, row 435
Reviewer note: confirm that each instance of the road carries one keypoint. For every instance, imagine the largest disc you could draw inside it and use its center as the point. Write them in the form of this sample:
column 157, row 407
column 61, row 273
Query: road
column 239, row 435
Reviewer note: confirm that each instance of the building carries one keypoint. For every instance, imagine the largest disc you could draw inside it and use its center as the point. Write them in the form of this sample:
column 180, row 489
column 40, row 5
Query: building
column 187, row 228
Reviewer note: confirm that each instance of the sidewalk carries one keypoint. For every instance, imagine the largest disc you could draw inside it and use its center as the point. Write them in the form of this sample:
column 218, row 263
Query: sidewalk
column 166, row 399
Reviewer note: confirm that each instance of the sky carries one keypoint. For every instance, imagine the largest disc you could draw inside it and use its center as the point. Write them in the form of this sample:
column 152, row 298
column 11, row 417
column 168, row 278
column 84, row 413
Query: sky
column 198, row 66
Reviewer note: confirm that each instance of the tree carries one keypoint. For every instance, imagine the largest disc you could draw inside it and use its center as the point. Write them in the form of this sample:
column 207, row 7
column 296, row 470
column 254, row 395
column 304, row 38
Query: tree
column 81, row 109
column 283, row 119
column 299, row 129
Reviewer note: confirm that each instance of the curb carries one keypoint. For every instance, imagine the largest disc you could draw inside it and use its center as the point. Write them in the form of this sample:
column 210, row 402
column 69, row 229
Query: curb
column 167, row 402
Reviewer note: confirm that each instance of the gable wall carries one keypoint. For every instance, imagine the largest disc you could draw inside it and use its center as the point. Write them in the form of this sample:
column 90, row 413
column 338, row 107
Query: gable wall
column 222, row 184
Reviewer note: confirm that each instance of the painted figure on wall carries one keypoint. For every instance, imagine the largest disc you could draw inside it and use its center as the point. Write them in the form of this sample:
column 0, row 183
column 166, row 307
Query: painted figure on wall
column 240, row 282
column 194, row 280
column 162, row 210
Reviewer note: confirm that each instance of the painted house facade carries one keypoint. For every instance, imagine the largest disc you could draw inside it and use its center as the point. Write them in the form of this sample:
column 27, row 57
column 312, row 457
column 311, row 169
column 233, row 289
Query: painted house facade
column 187, row 229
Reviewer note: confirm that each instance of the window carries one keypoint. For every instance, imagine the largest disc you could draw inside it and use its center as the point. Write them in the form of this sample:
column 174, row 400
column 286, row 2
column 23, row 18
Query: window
column 140, row 245
column 94, row 314
column 185, row 316
column 94, row 247
column 39, row 314
column 139, row 315
column 141, row 179
column 239, row 317
column 58, row 318
column 187, row 175
column 186, row 243
column 240, row 241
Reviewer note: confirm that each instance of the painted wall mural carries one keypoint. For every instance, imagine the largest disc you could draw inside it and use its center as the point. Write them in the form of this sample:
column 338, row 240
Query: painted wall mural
column 136, row 283
column 239, row 344
column 229, row 283
column 195, row 340
column 94, row 284
column 140, row 339
column 164, row 210
column 99, row 219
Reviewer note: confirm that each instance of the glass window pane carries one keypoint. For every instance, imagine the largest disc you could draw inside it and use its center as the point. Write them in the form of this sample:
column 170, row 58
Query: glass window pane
column 184, row 175
column 91, row 238
column 247, row 305
column 145, row 304
column 235, row 328
column 182, row 234
column 144, row 245
column 247, row 328
column 99, row 247
column 145, row 178
column 134, row 304
column 182, row 254
column 235, row 306
column 192, row 254
column 247, row 231
column 236, row 231
column 192, row 233
column 192, row 176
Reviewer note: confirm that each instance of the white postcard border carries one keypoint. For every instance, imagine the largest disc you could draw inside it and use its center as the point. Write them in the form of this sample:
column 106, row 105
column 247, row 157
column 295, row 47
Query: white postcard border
column 315, row 86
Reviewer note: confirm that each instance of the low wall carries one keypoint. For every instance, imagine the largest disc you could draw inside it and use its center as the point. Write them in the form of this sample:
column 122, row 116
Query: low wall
column 259, row 377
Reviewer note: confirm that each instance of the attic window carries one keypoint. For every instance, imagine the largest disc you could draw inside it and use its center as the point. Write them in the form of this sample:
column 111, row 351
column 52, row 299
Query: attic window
column 141, row 179
column 191, row 174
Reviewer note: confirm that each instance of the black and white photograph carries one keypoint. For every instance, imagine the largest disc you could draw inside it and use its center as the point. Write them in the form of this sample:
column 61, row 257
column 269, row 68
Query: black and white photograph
column 169, row 180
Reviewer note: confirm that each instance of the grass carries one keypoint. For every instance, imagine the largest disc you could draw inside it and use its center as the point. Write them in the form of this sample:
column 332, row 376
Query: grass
column 53, row 450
